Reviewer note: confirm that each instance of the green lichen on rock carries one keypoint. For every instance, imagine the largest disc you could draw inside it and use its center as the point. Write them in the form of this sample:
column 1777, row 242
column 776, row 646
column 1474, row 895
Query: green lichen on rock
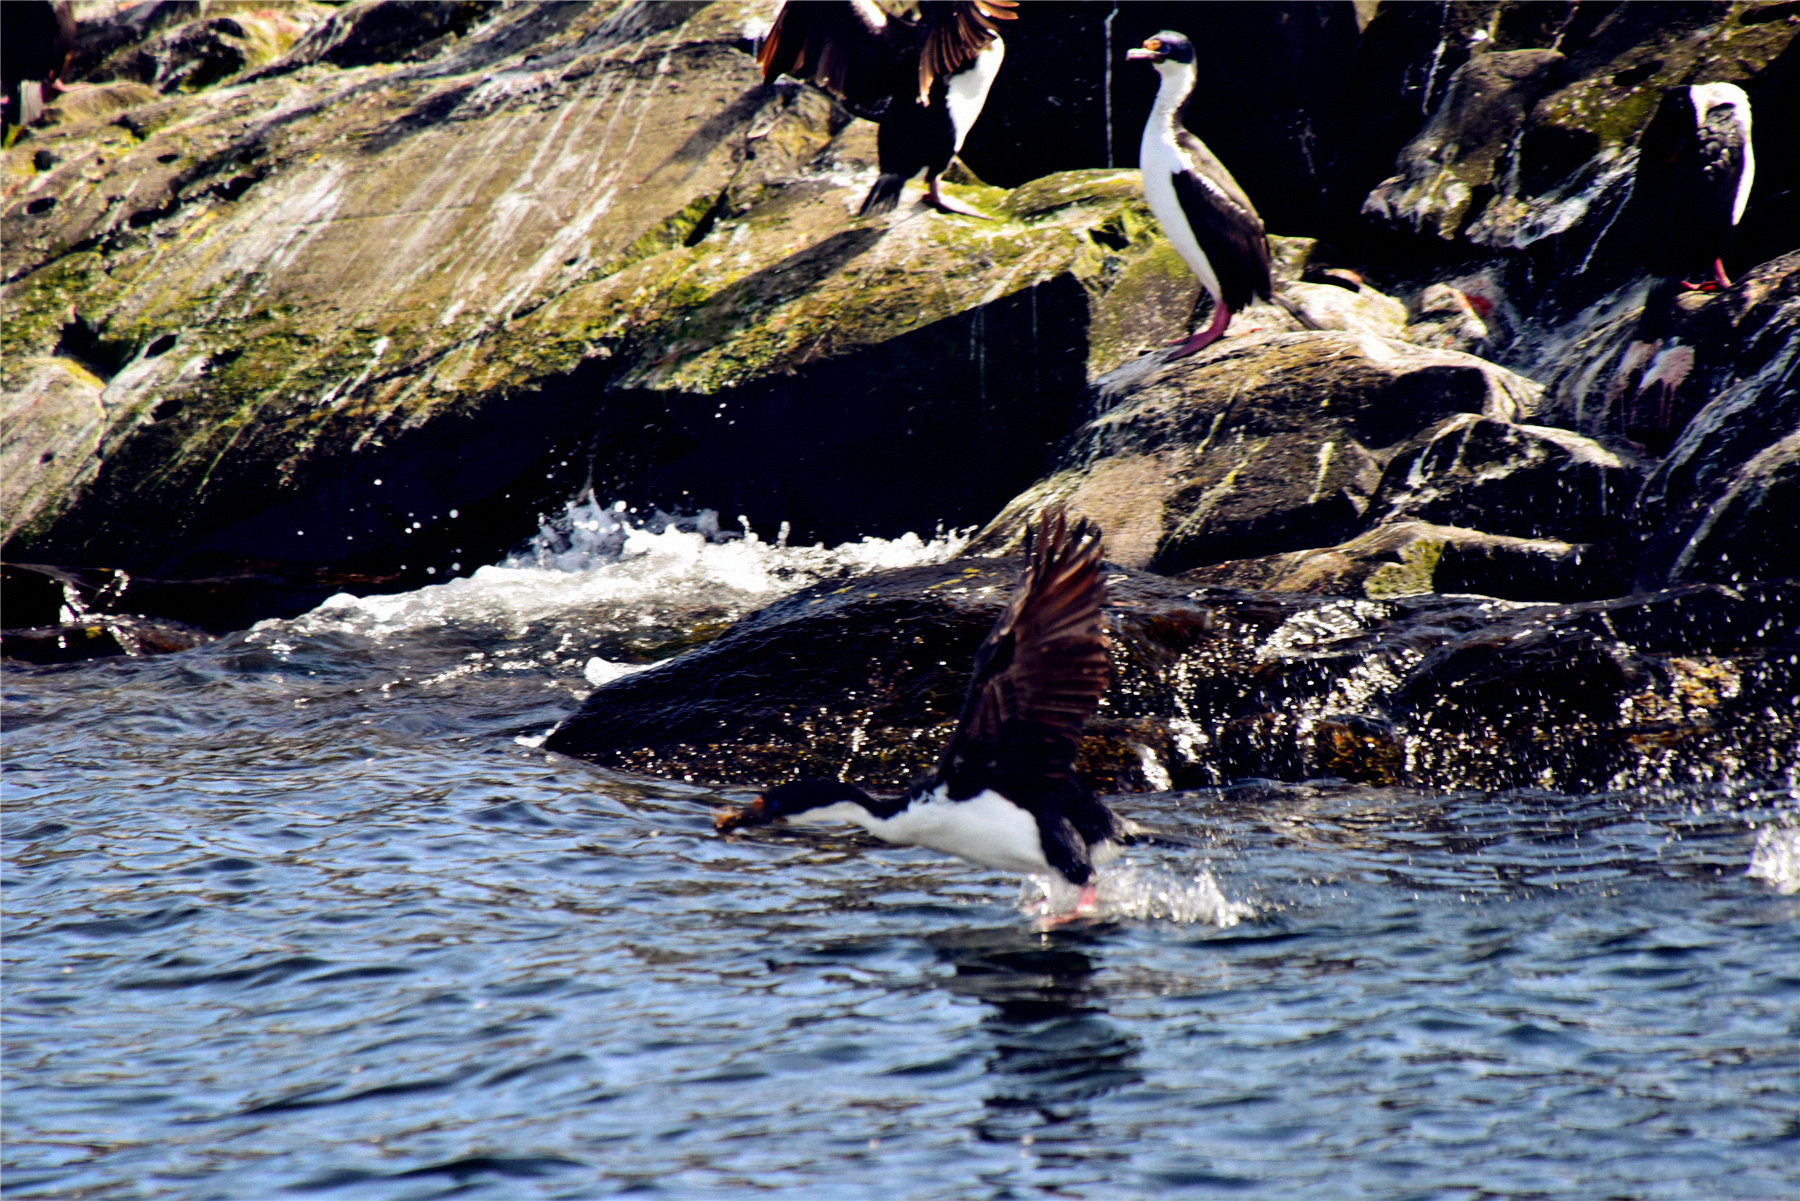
column 1613, row 101
column 1411, row 576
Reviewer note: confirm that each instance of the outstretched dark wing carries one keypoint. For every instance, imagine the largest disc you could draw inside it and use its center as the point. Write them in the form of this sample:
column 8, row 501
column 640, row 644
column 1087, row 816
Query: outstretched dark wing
column 955, row 32
column 865, row 58
column 1041, row 670
column 850, row 48
column 1225, row 223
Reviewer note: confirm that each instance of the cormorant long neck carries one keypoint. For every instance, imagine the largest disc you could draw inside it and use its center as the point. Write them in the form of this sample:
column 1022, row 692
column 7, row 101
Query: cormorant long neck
column 1177, row 86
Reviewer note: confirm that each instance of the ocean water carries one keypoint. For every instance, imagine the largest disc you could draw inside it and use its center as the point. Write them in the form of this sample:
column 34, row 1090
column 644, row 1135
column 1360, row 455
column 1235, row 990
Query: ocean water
column 308, row 913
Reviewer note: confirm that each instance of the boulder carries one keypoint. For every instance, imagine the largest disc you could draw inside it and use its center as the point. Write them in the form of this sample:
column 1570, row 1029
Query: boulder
column 1348, row 305
column 1522, row 481
column 51, row 421
column 1449, row 171
column 1721, row 507
column 1640, row 364
column 190, row 55
column 1535, row 113
column 1691, row 684
column 1268, row 443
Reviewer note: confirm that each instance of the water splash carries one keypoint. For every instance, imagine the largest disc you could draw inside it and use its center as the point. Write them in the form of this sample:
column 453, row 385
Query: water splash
column 1776, row 858
column 607, row 563
column 1141, row 893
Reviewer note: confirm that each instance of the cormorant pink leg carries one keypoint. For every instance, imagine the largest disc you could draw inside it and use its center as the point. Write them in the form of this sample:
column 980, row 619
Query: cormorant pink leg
column 943, row 204
column 1084, row 905
column 1718, row 283
column 1206, row 337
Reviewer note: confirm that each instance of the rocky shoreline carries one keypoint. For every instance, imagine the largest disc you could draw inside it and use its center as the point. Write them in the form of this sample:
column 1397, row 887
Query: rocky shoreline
column 343, row 297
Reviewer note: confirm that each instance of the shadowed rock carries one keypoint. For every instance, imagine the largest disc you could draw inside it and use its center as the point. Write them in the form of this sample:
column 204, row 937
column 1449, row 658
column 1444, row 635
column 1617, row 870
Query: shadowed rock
column 1522, row 481
column 863, row 681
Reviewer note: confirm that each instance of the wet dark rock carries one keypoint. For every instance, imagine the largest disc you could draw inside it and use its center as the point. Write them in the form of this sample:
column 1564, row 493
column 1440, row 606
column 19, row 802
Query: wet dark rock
column 1691, row 684
column 364, row 32
column 44, row 595
column 99, row 637
column 1269, row 443
column 1522, row 481
column 57, row 616
column 1722, row 505
column 1454, row 165
column 863, row 681
column 1642, row 365
column 1394, row 79
column 1412, row 558
column 1549, row 140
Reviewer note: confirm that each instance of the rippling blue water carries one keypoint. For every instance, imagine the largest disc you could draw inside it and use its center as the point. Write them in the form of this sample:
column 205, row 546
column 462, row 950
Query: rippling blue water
column 296, row 915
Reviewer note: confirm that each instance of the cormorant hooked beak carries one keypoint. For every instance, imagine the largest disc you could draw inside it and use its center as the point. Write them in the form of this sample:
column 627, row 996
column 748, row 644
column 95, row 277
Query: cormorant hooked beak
column 754, row 814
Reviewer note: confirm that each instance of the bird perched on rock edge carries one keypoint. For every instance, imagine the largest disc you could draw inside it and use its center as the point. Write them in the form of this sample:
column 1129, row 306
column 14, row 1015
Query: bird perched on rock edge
column 1695, row 169
column 1205, row 215
column 924, row 82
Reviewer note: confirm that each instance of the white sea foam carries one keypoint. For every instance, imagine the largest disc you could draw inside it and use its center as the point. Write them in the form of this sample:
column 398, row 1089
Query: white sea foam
column 1776, row 858
column 1143, row 893
column 598, row 557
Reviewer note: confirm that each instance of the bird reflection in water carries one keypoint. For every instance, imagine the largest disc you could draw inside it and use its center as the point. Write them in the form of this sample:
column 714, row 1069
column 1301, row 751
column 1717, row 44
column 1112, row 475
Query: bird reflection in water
column 1055, row 1049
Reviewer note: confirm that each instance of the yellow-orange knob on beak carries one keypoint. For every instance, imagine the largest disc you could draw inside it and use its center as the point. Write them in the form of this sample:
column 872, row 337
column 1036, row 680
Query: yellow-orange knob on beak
column 731, row 819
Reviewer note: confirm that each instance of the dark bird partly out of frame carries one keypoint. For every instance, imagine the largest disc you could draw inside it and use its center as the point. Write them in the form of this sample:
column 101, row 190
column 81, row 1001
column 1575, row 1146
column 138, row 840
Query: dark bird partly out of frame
column 1005, row 794
column 924, row 82
column 1205, row 215
column 1695, row 169
column 37, row 44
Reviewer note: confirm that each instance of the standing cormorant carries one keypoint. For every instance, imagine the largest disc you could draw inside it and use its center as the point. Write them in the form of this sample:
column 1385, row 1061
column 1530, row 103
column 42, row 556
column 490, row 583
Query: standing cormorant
column 923, row 81
column 1203, row 212
column 1695, row 168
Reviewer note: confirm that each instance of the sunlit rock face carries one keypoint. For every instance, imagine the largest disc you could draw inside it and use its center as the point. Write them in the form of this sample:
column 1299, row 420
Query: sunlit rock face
column 362, row 310
column 1276, row 442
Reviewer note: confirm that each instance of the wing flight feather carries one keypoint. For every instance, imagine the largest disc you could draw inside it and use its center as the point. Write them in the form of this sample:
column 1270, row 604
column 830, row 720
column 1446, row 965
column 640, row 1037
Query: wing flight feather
column 1041, row 670
column 859, row 54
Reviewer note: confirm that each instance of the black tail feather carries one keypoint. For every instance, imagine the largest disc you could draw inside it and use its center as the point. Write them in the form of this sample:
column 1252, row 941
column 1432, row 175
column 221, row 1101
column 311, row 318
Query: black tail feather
column 883, row 196
column 1293, row 310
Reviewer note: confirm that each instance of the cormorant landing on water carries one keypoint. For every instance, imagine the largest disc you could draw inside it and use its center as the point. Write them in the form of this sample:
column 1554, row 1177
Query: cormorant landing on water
column 1005, row 794
column 1695, row 167
column 1203, row 212
column 923, row 81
